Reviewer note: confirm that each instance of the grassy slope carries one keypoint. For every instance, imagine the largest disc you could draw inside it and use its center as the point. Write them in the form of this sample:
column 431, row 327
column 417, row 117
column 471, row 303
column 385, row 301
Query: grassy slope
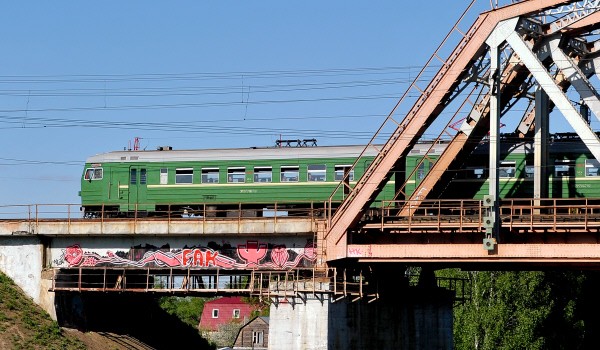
column 24, row 325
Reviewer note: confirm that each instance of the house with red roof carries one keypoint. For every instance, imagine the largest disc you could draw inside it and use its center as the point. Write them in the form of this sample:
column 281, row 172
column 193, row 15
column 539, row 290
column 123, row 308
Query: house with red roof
column 224, row 311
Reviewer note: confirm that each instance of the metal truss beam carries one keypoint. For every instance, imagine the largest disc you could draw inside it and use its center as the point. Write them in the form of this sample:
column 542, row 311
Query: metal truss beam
column 555, row 93
column 529, row 253
column 575, row 76
column 471, row 129
column 574, row 12
column 421, row 115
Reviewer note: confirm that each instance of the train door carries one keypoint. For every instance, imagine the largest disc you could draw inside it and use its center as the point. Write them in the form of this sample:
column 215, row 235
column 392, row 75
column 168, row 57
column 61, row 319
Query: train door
column 563, row 182
column 137, row 188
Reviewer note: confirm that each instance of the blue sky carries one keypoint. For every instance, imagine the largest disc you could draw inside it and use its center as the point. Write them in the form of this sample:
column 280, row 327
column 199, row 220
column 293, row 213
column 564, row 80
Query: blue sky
column 80, row 78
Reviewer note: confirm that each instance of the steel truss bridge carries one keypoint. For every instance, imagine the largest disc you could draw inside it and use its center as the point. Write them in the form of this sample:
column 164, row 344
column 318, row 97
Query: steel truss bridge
column 530, row 52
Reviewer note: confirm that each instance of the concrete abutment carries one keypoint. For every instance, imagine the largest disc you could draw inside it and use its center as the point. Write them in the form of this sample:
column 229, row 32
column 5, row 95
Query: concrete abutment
column 411, row 318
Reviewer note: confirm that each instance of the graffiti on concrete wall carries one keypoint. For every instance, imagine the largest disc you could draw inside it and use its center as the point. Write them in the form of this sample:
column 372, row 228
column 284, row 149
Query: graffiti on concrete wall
column 251, row 254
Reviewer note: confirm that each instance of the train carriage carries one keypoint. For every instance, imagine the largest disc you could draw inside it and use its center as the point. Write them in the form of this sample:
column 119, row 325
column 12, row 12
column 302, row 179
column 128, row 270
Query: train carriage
column 125, row 183
column 189, row 181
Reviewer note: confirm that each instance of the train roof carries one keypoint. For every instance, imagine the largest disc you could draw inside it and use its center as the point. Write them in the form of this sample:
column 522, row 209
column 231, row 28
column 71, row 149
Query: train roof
column 254, row 153
column 348, row 151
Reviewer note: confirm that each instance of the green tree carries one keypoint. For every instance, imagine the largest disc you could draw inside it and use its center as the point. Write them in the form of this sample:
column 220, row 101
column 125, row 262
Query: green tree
column 260, row 306
column 519, row 310
column 187, row 309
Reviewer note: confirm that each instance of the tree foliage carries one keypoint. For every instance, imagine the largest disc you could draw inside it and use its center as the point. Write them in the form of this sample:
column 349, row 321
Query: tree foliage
column 519, row 310
column 188, row 309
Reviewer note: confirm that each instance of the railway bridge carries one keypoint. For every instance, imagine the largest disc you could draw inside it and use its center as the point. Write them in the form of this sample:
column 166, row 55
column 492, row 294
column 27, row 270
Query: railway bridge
column 540, row 56
column 280, row 258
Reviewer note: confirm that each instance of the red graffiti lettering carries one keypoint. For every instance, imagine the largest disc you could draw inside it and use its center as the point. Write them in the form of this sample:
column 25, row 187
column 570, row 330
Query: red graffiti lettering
column 210, row 258
column 198, row 258
column 184, row 257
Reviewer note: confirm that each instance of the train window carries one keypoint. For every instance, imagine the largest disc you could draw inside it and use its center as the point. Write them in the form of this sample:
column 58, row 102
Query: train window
column 93, row 174
column 317, row 172
column 263, row 174
column 591, row 167
column 236, row 175
column 507, row 169
column 164, row 176
column 529, row 171
column 184, row 175
column 476, row 173
column 210, row 175
column 340, row 170
column 421, row 169
column 564, row 168
column 133, row 176
column 290, row 173
column 142, row 176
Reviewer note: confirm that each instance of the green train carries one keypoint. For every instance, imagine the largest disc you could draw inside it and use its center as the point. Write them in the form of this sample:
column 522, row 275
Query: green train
column 570, row 170
column 224, row 180
column 190, row 181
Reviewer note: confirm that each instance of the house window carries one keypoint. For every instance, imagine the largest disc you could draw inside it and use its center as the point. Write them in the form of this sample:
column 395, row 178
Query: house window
column 236, row 175
column 317, row 172
column 257, row 338
column 591, row 167
column 564, row 168
column 210, row 176
column 184, row 176
column 164, row 176
column 340, row 170
column 93, row 174
column 507, row 169
column 263, row 174
column 290, row 173
column 215, row 313
column 236, row 313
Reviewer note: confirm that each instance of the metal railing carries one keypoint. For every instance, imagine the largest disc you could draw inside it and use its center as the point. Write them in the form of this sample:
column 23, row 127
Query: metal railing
column 467, row 215
column 158, row 280
column 291, row 283
column 68, row 219
column 225, row 211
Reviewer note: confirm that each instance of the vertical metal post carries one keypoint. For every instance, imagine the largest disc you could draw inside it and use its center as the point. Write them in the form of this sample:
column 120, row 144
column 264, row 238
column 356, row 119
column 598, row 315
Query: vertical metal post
column 494, row 189
column 102, row 219
column 540, row 148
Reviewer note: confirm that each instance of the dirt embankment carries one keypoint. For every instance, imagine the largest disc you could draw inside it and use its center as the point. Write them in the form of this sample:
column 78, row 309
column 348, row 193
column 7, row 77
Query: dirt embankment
column 24, row 325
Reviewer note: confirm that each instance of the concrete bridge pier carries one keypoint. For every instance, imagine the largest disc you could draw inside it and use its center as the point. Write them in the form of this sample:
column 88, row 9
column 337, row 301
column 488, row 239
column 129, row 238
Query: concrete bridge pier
column 401, row 318
column 22, row 258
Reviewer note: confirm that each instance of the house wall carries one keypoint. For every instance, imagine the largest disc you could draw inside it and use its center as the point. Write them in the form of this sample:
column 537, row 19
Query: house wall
column 245, row 337
column 208, row 323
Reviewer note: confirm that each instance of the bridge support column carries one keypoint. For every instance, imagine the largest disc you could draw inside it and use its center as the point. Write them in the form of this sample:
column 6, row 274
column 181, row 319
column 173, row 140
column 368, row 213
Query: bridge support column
column 22, row 259
column 412, row 318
